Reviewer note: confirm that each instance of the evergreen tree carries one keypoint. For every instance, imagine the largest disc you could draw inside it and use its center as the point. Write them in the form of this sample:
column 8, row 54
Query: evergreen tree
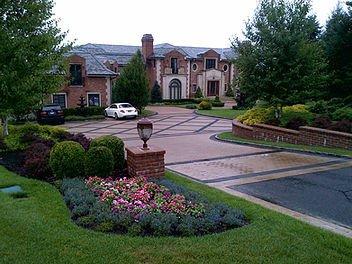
column 281, row 60
column 156, row 93
column 199, row 93
column 338, row 46
column 132, row 85
column 32, row 64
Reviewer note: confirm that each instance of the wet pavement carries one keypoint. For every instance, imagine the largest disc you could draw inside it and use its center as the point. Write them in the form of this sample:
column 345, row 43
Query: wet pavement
column 298, row 181
column 325, row 194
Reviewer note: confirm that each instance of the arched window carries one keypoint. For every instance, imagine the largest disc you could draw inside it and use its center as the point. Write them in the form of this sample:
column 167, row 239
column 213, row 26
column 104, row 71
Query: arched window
column 175, row 89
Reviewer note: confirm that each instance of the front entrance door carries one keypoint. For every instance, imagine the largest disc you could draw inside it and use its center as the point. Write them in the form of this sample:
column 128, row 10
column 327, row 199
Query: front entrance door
column 175, row 89
column 213, row 88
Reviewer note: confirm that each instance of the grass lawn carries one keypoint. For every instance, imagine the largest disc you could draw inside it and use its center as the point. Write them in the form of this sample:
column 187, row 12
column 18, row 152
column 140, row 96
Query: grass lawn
column 38, row 229
column 222, row 112
column 335, row 151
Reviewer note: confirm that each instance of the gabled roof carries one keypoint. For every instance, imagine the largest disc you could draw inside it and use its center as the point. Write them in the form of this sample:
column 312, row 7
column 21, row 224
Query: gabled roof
column 97, row 54
column 93, row 65
column 161, row 50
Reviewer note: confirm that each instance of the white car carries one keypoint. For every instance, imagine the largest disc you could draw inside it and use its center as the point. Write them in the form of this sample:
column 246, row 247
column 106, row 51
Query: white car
column 121, row 110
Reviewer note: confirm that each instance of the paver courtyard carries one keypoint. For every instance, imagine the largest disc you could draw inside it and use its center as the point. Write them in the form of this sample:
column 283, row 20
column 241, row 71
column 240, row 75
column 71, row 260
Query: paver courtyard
column 186, row 137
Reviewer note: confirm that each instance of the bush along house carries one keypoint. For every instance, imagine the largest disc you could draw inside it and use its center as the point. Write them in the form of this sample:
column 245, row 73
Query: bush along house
column 179, row 70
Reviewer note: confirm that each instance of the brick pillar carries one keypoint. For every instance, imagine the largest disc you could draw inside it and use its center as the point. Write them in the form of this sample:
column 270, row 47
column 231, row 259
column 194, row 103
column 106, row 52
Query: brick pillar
column 147, row 163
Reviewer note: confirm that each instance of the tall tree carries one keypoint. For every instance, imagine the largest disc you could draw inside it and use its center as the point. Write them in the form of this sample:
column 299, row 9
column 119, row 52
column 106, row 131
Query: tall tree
column 31, row 55
column 132, row 85
column 338, row 45
column 281, row 60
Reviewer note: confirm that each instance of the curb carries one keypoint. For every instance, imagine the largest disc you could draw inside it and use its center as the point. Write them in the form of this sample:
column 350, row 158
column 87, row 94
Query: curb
column 232, row 141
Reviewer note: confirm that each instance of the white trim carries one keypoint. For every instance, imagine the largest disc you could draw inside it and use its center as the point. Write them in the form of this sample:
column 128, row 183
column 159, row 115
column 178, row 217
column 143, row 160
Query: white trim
column 52, row 98
column 93, row 93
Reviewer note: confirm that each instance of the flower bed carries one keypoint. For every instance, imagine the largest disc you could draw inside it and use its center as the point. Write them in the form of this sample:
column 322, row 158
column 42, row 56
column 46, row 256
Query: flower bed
column 140, row 207
column 138, row 196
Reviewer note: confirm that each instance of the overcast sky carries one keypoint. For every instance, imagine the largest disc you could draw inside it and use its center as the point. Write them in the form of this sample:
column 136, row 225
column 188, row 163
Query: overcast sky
column 209, row 23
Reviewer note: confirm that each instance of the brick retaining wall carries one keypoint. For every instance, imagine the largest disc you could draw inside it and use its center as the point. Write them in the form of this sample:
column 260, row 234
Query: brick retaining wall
column 306, row 135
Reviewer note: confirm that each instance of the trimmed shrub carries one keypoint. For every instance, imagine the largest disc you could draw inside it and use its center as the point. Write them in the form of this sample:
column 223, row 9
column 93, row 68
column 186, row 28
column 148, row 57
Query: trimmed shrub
column 67, row 160
column 257, row 115
column 218, row 104
column 342, row 126
column 344, row 113
column 20, row 137
column 84, row 111
column 191, row 106
column 116, row 147
column 205, row 105
column 36, row 160
column 155, row 95
column 99, row 162
column 78, row 137
column 318, row 107
column 322, row 122
column 297, row 113
column 295, row 123
column 198, row 93
column 229, row 92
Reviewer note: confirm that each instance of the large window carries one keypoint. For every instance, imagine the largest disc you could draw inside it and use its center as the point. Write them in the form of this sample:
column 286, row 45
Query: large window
column 76, row 74
column 210, row 64
column 213, row 88
column 93, row 99
column 60, row 99
column 174, row 66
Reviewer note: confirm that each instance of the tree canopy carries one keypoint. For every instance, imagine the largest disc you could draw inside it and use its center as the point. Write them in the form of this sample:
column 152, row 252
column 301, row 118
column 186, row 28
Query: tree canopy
column 132, row 84
column 31, row 55
column 281, row 59
column 337, row 41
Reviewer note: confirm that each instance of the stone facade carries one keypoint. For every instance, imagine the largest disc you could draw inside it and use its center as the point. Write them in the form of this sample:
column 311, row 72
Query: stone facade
column 179, row 70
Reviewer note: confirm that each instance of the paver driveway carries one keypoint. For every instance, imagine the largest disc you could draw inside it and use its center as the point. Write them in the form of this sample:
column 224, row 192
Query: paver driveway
column 260, row 172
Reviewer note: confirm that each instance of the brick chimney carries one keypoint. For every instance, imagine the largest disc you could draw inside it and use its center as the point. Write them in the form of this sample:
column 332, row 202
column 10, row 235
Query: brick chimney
column 147, row 45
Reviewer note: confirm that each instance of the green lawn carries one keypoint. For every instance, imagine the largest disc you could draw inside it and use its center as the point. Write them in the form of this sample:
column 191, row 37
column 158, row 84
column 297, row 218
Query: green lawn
column 38, row 229
column 222, row 112
column 319, row 149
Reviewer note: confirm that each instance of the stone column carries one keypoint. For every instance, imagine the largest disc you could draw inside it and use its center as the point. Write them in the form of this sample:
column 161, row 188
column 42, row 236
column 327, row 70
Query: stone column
column 147, row 163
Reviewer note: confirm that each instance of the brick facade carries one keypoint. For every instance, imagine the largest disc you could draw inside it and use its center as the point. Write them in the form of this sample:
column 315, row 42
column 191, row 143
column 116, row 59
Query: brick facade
column 146, row 163
column 306, row 135
column 101, row 65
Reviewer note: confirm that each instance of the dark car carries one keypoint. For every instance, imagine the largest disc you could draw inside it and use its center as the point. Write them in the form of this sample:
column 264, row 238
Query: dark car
column 50, row 114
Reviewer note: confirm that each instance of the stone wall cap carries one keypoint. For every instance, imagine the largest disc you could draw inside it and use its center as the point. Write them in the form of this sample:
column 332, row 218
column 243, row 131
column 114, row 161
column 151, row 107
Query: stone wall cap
column 326, row 131
column 276, row 128
column 138, row 151
column 235, row 122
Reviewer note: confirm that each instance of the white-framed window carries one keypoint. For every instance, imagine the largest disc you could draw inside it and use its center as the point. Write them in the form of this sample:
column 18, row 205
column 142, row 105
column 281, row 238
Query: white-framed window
column 60, row 99
column 225, row 68
column 93, row 99
column 210, row 64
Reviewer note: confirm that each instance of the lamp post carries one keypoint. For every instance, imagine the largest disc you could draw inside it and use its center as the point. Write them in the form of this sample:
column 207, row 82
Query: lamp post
column 145, row 130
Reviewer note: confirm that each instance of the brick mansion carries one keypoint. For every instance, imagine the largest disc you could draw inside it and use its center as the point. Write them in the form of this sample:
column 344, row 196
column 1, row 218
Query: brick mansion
column 179, row 70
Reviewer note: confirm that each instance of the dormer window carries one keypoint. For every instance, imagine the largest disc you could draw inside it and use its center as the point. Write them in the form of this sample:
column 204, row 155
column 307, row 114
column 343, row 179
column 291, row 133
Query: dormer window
column 210, row 64
column 76, row 75
column 174, row 66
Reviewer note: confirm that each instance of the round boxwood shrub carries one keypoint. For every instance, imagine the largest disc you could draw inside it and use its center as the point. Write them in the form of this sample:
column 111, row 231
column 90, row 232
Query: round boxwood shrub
column 116, row 147
column 99, row 162
column 67, row 160
column 205, row 105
